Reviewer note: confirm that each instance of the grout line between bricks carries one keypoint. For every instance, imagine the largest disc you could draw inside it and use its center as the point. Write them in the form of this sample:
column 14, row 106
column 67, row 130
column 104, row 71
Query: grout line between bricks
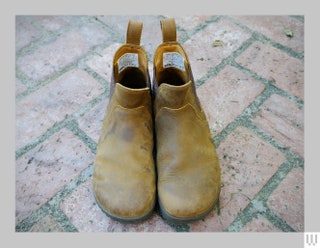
column 258, row 205
column 24, row 80
column 278, row 222
column 241, row 119
column 79, row 64
column 74, row 128
column 68, row 122
column 49, row 36
column 52, row 207
column 274, row 181
column 226, row 61
column 62, row 219
column 46, row 36
column 292, row 161
column 32, row 144
column 116, row 37
column 188, row 34
column 264, row 39
column 262, row 197
column 26, row 224
column 294, row 99
column 96, row 76
column 290, row 156
column 34, row 86
column 179, row 227
column 252, row 211
column 298, row 17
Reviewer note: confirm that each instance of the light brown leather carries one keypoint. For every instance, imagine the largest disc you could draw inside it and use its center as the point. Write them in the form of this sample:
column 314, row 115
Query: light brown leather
column 124, row 172
column 187, row 164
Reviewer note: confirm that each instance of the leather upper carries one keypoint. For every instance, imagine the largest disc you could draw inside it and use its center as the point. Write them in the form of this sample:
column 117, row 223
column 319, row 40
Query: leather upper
column 187, row 164
column 124, row 173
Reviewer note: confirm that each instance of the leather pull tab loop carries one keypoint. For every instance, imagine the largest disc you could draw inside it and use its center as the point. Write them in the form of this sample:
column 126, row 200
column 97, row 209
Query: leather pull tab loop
column 169, row 31
column 134, row 31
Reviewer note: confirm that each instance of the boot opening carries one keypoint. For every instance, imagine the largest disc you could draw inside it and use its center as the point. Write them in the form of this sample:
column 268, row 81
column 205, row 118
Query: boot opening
column 133, row 78
column 131, row 67
column 171, row 76
column 171, row 64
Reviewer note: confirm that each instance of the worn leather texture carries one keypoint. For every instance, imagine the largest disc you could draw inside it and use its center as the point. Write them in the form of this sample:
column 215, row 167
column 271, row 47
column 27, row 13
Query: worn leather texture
column 187, row 163
column 124, row 171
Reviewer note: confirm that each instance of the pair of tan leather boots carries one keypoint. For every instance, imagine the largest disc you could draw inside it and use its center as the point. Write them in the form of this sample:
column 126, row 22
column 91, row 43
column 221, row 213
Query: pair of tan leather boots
column 155, row 144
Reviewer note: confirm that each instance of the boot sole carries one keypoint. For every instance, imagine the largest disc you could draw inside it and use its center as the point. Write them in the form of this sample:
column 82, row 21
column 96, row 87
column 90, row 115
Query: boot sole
column 176, row 220
column 127, row 220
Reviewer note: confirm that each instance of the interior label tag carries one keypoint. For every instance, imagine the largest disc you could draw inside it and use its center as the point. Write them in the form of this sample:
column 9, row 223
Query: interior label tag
column 173, row 59
column 128, row 60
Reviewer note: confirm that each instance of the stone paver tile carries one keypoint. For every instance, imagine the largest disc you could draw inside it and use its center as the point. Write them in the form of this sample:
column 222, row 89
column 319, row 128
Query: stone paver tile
column 47, row 224
column 20, row 87
column 274, row 64
column 273, row 27
column 287, row 201
column 203, row 55
column 51, row 103
column 86, row 215
column 247, row 163
column 226, row 95
column 61, row 52
column 284, row 109
column 102, row 62
column 151, row 35
column 283, row 121
column 56, row 22
column 260, row 224
column 190, row 22
column 229, row 209
column 44, row 170
column 91, row 122
column 26, row 33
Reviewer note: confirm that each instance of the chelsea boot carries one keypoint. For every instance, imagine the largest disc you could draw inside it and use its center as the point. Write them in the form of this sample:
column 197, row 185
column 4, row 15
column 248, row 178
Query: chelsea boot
column 188, row 168
column 124, row 171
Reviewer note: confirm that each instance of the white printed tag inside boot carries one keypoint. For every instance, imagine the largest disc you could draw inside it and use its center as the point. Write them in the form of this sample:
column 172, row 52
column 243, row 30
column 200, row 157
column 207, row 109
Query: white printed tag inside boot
column 128, row 60
column 173, row 59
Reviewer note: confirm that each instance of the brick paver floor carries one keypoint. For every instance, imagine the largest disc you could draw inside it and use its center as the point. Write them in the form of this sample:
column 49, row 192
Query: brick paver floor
column 249, row 72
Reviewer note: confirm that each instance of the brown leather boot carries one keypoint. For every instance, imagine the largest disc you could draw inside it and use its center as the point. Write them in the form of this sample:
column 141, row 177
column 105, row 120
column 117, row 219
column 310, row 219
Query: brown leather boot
column 187, row 163
column 124, row 171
